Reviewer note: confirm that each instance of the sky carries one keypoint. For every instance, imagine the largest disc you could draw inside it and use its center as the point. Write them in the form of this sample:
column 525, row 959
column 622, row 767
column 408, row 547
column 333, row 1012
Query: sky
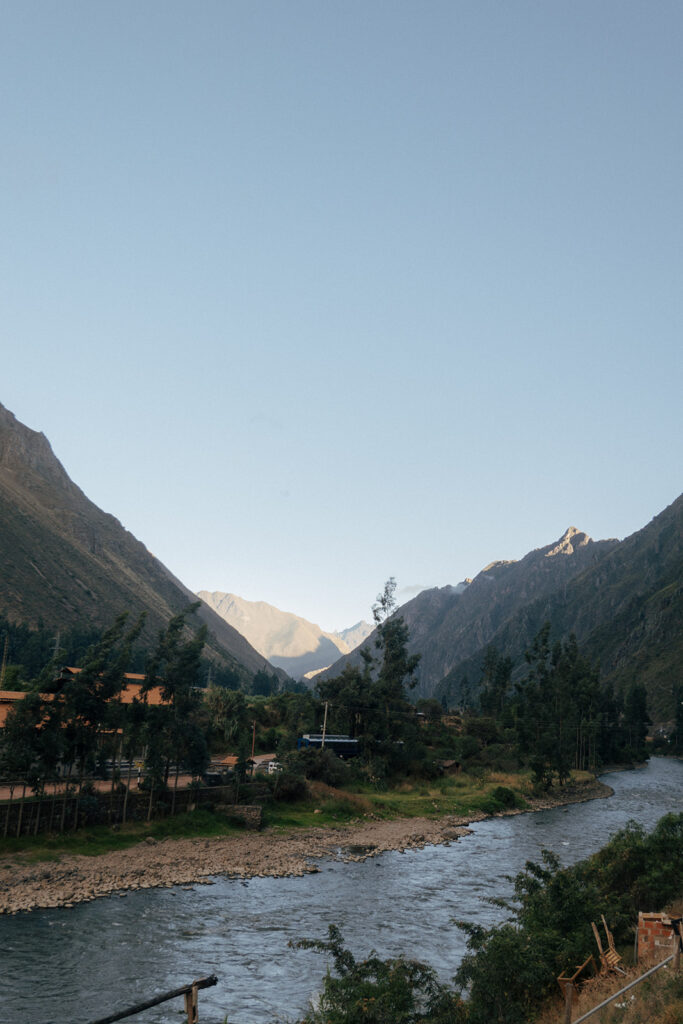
column 309, row 295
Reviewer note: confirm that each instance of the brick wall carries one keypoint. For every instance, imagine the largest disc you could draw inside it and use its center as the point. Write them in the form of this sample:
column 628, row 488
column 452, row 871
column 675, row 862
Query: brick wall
column 655, row 937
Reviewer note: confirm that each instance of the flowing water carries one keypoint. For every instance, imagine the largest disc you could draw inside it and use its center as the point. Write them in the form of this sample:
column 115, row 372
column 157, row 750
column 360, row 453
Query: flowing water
column 78, row 964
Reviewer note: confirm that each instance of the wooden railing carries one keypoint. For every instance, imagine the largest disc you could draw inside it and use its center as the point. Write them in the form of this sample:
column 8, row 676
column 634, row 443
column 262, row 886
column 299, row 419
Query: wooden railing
column 191, row 998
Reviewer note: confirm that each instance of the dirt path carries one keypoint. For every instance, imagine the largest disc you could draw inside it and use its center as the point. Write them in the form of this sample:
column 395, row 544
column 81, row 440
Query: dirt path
column 76, row 879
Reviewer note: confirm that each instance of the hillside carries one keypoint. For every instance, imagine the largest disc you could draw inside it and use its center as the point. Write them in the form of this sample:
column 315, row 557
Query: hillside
column 65, row 561
column 449, row 624
column 626, row 612
column 286, row 640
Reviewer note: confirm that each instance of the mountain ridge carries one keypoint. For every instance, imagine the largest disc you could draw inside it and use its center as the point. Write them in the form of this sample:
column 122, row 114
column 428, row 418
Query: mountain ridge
column 448, row 624
column 289, row 641
column 626, row 612
column 66, row 560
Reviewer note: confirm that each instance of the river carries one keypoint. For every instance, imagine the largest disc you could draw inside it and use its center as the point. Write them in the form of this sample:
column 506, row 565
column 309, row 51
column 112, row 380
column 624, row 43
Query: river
column 77, row 964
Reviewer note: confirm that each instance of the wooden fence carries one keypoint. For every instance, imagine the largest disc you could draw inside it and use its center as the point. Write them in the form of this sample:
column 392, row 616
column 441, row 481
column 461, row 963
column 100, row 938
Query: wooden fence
column 66, row 807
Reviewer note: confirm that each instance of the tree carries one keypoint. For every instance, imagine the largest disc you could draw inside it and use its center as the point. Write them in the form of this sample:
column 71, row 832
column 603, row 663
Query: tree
column 495, row 681
column 371, row 701
column 88, row 698
column 636, row 719
column 175, row 666
column 511, row 968
column 556, row 709
column 264, row 684
column 228, row 714
column 375, row 991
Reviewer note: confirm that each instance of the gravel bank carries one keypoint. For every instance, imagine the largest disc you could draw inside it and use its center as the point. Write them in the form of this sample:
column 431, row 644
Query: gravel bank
column 76, row 879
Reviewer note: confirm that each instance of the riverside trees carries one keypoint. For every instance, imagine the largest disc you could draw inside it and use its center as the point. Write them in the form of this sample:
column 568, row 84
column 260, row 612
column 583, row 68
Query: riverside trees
column 558, row 715
column 80, row 720
column 370, row 703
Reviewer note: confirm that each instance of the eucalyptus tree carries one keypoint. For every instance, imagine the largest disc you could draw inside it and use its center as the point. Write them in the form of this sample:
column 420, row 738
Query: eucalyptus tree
column 175, row 667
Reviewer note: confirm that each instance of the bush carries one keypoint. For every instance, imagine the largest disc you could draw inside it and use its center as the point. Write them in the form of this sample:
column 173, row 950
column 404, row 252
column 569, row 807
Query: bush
column 505, row 797
column 511, row 969
column 287, row 786
column 322, row 765
column 89, row 810
column 374, row 991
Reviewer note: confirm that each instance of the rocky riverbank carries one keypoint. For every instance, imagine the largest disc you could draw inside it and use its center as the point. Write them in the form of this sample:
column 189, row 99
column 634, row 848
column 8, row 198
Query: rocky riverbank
column 76, row 879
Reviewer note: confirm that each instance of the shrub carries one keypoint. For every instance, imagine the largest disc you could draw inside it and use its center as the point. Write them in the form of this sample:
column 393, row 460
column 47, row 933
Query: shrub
column 374, row 991
column 287, row 786
column 505, row 797
column 510, row 969
column 322, row 765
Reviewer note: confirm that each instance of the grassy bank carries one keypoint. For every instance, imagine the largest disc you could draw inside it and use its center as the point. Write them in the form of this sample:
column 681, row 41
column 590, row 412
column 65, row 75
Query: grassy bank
column 464, row 795
column 98, row 839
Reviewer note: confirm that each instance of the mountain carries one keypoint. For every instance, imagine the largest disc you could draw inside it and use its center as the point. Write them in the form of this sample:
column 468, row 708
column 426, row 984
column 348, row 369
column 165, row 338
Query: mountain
column 449, row 624
column 354, row 635
column 626, row 611
column 66, row 562
column 288, row 641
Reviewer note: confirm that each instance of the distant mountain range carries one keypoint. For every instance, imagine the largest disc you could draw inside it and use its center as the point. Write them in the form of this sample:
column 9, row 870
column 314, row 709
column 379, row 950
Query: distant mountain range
column 65, row 562
column 288, row 641
column 622, row 599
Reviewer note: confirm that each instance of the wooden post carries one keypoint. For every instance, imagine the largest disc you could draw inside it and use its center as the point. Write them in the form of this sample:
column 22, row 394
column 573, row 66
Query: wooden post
column 21, row 809
column 677, row 951
column 568, row 1001
column 191, row 1000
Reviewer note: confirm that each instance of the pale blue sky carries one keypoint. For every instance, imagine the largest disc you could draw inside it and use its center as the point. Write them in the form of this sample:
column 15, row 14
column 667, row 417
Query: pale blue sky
column 309, row 294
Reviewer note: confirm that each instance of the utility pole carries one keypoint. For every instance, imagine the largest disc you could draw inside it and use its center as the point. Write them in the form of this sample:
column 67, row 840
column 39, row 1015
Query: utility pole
column 253, row 744
column 322, row 745
column 4, row 662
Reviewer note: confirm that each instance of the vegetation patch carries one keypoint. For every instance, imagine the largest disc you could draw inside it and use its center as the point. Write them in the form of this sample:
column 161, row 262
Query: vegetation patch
column 99, row 839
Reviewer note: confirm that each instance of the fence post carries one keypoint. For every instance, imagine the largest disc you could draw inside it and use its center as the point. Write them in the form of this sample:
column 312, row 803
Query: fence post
column 677, row 951
column 568, row 1001
column 191, row 1000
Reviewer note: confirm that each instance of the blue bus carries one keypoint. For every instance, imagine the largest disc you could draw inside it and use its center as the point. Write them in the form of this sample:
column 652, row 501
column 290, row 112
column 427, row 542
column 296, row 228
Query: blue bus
column 342, row 745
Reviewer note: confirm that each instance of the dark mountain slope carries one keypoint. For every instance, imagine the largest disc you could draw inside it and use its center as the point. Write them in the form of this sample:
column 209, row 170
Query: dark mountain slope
column 449, row 624
column 626, row 612
column 64, row 561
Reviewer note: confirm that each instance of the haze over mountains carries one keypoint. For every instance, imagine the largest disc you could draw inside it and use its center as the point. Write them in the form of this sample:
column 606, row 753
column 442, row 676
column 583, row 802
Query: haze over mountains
column 288, row 641
column 64, row 561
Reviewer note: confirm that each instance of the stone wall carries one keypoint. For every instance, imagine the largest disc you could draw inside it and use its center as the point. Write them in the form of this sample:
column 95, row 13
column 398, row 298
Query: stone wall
column 250, row 814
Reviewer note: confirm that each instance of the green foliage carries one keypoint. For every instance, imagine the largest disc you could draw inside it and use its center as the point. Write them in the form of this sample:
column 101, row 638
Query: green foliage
column 510, row 969
column 323, row 765
column 78, row 720
column 562, row 718
column 175, row 666
column 287, row 786
column 228, row 715
column 264, row 684
column 29, row 650
column 375, row 991
column 370, row 703
column 504, row 797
